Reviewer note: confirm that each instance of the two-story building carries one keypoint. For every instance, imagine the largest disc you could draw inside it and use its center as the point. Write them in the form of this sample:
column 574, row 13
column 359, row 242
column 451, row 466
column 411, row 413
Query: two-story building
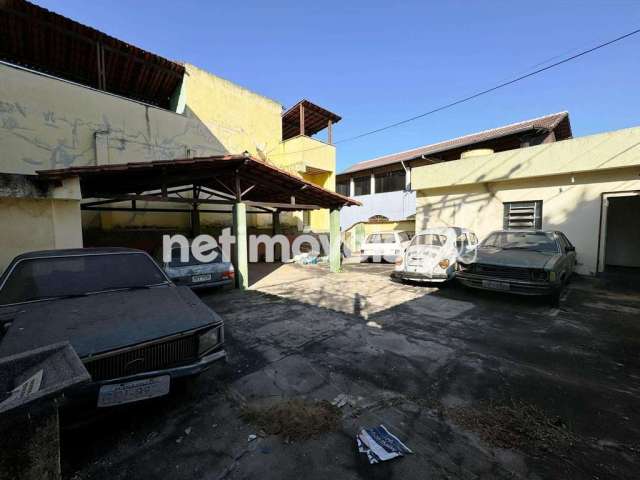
column 72, row 96
column 384, row 185
column 587, row 187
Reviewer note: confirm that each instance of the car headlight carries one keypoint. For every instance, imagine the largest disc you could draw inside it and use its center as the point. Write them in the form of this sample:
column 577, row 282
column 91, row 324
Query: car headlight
column 444, row 264
column 540, row 275
column 209, row 339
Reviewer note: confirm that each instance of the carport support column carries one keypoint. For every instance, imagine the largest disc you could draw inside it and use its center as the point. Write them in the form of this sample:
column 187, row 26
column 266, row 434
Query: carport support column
column 334, row 240
column 240, row 263
column 275, row 226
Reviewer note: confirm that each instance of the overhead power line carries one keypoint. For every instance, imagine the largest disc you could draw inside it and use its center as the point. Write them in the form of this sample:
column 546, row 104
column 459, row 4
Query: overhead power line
column 480, row 93
column 492, row 89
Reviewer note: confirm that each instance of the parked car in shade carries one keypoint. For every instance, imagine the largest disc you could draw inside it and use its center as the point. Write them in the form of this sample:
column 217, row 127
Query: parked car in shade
column 135, row 331
column 433, row 253
column 196, row 274
column 383, row 246
column 522, row 262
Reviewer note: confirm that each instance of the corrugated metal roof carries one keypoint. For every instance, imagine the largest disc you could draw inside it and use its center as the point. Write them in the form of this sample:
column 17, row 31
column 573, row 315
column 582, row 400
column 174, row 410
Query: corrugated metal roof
column 549, row 122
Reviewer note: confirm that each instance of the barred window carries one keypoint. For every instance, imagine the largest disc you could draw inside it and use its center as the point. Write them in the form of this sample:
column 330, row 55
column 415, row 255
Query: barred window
column 362, row 186
column 523, row 215
column 390, row 181
column 342, row 187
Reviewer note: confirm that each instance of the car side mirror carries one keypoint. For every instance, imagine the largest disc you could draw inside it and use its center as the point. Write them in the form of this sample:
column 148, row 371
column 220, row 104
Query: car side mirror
column 570, row 249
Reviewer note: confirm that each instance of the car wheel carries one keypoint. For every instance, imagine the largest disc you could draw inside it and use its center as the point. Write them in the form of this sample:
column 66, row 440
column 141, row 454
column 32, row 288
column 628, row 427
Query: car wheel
column 554, row 299
column 555, row 296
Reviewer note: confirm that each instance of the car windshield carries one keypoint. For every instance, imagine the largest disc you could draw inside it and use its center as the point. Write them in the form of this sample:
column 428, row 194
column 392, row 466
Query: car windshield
column 191, row 260
column 54, row 277
column 532, row 241
column 429, row 239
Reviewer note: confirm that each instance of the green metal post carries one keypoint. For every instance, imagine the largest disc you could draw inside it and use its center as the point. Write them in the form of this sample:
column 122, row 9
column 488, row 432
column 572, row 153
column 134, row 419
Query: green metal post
column 240, row 264
column 275, row 225
column 334, row 240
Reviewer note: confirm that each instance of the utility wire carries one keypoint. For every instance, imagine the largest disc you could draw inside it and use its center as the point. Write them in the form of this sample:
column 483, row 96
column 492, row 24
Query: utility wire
column 478, row 94
column 492, row 89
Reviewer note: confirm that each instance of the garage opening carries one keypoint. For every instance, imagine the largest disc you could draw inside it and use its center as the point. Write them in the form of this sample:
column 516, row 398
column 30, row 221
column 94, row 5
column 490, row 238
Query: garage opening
column 622, row 235
column 234, row 185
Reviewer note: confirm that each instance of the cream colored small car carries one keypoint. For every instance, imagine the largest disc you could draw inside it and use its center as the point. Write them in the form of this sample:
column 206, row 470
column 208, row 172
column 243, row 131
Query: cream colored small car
column 433, row 254
column 384, row 246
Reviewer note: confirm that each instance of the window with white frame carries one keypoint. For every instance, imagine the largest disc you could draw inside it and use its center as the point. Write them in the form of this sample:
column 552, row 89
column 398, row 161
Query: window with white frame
column 523, row 215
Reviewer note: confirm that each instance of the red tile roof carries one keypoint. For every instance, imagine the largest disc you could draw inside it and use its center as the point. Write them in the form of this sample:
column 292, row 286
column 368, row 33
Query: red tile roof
column 270, row 183
column 556, row 121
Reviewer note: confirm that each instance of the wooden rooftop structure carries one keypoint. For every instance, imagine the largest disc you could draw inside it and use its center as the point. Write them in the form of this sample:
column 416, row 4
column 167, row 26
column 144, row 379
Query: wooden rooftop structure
column 214, row 180
column 306, row 118
column 36, row 38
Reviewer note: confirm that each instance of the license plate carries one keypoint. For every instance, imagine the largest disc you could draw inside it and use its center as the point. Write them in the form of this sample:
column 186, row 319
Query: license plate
column 495, row 285
column 120, row 393
column 201, row 278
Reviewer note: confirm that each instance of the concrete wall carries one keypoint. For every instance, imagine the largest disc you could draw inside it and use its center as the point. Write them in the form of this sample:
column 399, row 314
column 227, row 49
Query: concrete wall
column 393, row 205
column 49, row 123
column 314, row 161
column 240, row 119
column 37, row 224
column 38, row 219
column 571, row 203
column 604, row 151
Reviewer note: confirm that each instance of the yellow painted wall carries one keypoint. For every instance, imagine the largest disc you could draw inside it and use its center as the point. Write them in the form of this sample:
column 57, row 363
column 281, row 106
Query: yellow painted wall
column 47, row 123
column 571, row 203
column 37, row 224
column 239, row 118
column 302, row 154
column 603, row 151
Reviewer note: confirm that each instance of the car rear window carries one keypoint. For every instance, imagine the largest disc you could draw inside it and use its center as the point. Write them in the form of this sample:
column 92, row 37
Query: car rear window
column 531, row 241
column 191, row 260
column 404, row 236
column 387, row 238
column 49, row 277
column 429, row 239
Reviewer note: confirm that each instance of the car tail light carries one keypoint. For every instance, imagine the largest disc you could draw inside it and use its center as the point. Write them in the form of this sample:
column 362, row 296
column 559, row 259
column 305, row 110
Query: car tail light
column 399, row 260
column 230, row 274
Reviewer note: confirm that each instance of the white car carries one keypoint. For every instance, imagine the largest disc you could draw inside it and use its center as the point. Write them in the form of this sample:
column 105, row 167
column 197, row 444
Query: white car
column 384, row 246
column 433, row 254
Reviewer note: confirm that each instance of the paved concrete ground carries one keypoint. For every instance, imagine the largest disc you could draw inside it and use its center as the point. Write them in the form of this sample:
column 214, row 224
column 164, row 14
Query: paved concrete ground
column 410, row 357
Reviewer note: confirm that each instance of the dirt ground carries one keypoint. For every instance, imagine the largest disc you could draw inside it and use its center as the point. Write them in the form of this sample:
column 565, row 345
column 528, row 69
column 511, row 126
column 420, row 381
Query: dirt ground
column 478, row 385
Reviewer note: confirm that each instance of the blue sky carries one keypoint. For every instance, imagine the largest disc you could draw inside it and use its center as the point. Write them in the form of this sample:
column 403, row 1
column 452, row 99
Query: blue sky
column 375, row 63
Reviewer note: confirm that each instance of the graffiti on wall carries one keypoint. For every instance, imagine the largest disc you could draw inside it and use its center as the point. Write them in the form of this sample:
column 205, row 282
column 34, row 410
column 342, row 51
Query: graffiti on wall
column 38, row 139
